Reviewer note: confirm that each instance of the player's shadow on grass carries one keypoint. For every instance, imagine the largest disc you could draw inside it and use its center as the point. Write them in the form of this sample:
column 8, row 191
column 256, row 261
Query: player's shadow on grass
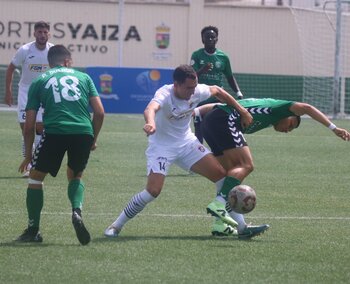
column 44, row 244
column 189, row 175
column 13, row 177
column 170, row 238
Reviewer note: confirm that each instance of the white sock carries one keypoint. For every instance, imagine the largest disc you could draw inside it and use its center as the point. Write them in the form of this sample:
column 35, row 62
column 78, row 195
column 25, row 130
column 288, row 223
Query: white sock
column 220, row 199
column 219, row 184
column 239, row 218
column 120, row 221
column 135, row 206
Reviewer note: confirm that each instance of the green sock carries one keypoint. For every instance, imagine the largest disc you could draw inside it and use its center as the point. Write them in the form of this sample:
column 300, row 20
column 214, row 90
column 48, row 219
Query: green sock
column 35, row 202
column 76, row 193
column 229, row 183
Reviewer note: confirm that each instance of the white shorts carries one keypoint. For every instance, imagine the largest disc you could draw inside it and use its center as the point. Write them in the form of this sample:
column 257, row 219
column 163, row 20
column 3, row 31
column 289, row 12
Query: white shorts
column 22, row 103
column 160, row 158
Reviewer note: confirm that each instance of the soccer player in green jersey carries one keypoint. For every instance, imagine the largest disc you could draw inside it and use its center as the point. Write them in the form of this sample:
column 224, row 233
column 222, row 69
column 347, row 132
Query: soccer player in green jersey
column 223, row 132
column 66, row 95
column 213, row 67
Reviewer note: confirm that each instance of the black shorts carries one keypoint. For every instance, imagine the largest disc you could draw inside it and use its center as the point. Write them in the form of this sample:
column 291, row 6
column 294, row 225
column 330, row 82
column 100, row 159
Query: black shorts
column 51, row 149
column 222, row 131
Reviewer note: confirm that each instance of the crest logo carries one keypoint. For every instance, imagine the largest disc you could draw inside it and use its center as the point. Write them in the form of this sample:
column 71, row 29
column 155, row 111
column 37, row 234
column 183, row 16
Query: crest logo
column 162, row 36
column 106, row 83
column 106, row 87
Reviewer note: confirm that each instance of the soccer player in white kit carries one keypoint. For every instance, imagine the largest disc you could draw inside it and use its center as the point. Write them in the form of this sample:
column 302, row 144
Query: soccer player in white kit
column 171, row 141
column 32, row 58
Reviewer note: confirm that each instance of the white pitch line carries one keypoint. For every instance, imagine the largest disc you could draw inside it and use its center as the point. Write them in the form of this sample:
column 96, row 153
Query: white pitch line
column 191, row 216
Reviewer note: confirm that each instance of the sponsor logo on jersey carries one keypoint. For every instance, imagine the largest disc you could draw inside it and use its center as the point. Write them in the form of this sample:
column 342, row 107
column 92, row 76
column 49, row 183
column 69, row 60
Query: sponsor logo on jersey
column 180, row 114
column 38, row 67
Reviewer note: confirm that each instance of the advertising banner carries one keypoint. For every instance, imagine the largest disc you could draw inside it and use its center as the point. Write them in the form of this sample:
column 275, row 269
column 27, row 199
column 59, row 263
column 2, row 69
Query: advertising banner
column 128, row 90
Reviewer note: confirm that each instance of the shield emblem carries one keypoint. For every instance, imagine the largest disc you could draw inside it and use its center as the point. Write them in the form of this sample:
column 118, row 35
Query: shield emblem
column 162, row 36
column 106, row 83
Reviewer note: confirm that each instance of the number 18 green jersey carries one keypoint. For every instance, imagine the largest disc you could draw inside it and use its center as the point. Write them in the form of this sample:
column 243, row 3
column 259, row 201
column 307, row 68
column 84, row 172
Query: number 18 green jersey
column 64, row 94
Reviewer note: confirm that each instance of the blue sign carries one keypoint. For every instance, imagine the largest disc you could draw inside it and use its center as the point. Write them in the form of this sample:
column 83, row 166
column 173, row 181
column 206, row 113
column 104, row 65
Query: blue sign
column 128, row 90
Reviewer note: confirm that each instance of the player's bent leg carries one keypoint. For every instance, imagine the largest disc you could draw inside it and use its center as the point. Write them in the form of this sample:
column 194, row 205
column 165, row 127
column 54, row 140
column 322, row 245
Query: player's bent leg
column 155, row 182
column 209, row 167
column 137, row 203
column 238, row 162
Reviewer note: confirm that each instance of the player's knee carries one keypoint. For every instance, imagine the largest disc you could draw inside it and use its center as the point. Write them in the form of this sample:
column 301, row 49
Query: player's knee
column 249, row 167
column 154, row 191
column 220, row 173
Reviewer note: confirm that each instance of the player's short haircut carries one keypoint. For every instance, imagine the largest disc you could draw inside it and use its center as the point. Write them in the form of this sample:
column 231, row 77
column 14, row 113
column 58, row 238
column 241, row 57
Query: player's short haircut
column 57, row 54
column 41, row 25
column 182, row 72
column 210, row 28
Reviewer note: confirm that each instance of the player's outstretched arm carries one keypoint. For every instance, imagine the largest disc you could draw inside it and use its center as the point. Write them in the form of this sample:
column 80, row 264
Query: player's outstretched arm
column 303, row 108
column 202, row 110
column 225, row 97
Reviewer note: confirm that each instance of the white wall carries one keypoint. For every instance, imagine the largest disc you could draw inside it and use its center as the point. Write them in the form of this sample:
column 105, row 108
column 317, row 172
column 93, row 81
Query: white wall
column 261, row 40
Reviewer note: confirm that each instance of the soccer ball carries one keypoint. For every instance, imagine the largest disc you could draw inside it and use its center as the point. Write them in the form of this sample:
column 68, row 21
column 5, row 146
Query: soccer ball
column 242, row 199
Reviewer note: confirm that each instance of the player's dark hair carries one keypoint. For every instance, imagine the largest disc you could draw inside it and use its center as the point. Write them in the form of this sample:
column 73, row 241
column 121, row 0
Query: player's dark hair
column 182, row 72
column 41, row 25
column 298, row 120
column 57, row 54
column 210, row 28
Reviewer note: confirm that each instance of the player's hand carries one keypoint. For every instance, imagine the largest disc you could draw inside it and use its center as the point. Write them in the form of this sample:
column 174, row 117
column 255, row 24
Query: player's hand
column 342, row 133
column 94, row 146
column 246, row 119
column 149, row 128
column 24, row 165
